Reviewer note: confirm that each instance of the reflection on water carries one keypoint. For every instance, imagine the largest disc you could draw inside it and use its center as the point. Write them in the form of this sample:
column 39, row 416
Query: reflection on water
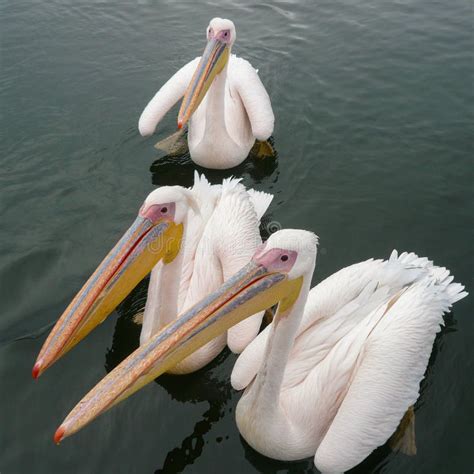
column 199, row 386
column 449, row 328
column 272, row 466
column 127, row 332
column 169, row 170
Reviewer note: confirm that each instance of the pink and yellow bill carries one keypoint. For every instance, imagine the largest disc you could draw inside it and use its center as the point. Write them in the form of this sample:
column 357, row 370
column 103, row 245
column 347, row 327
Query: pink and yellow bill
column 249, row 291
column 146, row 242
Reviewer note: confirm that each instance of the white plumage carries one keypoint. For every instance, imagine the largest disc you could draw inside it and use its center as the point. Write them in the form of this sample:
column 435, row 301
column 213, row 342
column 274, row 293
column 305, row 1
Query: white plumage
column 333, row 378
column 234, row 113
column 334, row 373
column 217, row 241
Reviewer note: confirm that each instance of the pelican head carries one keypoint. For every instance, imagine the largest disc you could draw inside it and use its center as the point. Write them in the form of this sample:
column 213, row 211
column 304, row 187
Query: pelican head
column 276, row 274
column 155, row 235
column 220, row 38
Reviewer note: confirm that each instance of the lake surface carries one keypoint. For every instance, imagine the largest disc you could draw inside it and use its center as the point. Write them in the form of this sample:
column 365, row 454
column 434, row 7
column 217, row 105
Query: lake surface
column 374, row 106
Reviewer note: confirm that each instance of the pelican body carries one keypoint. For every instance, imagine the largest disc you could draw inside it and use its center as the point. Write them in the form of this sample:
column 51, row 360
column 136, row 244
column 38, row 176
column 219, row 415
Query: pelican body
column 191, row 240
column 225, row 104
column 217, row 240
column 333, row 374
column 332, row 377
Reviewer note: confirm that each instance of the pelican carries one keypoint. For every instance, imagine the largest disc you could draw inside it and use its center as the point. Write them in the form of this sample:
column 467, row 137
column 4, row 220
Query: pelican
column 333, row 374
column 225, row 103
column 193, row 239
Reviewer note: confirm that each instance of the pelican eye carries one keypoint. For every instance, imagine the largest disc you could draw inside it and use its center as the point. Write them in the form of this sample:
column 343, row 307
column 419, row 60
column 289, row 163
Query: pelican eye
column 224, row 35
column 164, row 210
column 284, row 258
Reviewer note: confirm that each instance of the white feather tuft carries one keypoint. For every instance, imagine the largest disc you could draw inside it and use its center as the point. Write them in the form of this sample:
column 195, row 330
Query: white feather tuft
column 200, row 181
column 230, row 184
column 261, row 201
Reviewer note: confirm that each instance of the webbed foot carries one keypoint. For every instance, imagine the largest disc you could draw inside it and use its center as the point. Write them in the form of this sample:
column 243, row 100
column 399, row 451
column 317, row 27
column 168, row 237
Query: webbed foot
column 263, row 150
column 174, row 145
column 403, row 440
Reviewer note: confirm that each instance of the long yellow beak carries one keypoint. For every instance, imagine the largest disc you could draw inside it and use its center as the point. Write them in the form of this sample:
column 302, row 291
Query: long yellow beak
column 137, row 252
column 249, row 291
column 213, row 60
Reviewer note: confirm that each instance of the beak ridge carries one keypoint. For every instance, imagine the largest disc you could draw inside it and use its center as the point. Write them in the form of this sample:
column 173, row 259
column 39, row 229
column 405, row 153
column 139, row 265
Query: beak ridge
column 213, row 61
column 132, row 258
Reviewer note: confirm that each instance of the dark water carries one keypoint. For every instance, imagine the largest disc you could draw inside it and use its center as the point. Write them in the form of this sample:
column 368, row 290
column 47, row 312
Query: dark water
column 374, row 106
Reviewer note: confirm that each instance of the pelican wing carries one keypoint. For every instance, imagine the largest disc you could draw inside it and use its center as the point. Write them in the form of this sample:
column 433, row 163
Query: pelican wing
column 226, row 244
column 254, row 97
column 345, row 300
column 391, row 363
column 325, row 320
column 362, row 349
column 237, row 217
column 172, row 91
column 249, row 362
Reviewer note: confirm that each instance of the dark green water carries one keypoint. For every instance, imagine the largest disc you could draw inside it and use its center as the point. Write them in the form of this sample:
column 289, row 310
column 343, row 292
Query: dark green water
column 374, row 106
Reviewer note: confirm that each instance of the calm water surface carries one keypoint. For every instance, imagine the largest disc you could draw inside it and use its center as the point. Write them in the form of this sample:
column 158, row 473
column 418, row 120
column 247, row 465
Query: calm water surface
column 374, row 106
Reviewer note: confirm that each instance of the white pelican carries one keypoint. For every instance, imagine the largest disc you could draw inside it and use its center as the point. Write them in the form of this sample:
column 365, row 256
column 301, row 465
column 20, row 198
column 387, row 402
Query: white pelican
column 194, row 240
column 225, row 103
column 334, row 373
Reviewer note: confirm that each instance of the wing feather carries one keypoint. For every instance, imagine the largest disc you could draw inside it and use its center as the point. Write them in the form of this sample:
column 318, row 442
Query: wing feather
column 261, row 201
column 165, row 98
column 237, row 236
column 249, row 361
column 254, row 97
column 387, row 378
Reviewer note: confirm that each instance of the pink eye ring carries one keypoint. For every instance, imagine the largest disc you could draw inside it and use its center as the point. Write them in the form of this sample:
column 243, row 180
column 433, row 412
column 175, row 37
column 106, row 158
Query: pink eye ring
column 156, row 212
column 281, row 260
column 224, row 35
